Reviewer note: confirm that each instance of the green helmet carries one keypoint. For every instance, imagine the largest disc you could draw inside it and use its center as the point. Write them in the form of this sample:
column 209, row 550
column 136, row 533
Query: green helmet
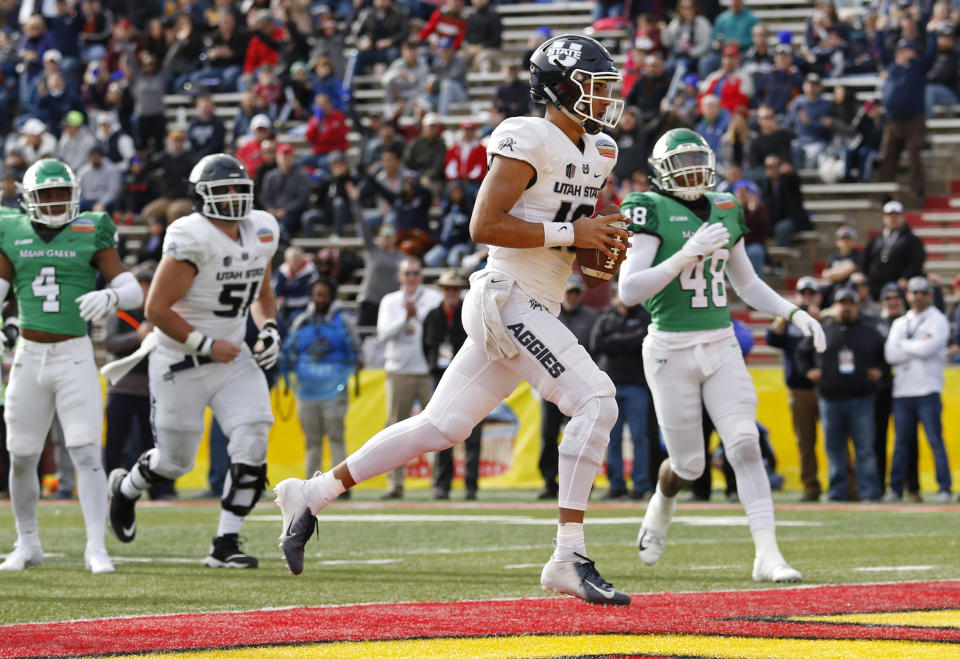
column 683, row 164
column 49, row 174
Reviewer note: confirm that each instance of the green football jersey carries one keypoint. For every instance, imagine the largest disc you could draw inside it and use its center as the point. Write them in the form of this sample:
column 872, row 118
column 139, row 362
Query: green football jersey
column 49, row 276
column 697, row 298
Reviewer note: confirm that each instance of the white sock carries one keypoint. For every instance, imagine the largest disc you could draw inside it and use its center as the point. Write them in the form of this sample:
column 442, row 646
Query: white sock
column 229, row 523
column 659, row 512
column 569, row 540
column 24, row 493
column 134, row 483
column 92, row 491
column 321, row 490
column 765, row 543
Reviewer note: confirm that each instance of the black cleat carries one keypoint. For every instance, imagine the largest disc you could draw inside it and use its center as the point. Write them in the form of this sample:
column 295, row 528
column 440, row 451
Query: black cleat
column 580, row 578
column 225, row 552
column 298, row 522
column 123, row 516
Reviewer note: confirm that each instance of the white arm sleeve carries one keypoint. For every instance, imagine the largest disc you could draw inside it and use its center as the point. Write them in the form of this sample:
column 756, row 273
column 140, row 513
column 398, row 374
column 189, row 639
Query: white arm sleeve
column 4, row 289
column 751, row 289
column 128, row 290
column 638, row 281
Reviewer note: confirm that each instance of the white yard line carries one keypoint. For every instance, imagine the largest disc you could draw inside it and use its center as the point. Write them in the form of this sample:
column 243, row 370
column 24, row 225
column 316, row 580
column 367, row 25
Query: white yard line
column 523, row 520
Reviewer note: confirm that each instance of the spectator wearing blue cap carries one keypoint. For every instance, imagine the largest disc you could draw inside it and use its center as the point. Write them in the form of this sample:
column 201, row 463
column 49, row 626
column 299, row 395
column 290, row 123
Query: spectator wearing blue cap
column 905, row 128
column 539, row 36
column 757, row 217
column 447, row 83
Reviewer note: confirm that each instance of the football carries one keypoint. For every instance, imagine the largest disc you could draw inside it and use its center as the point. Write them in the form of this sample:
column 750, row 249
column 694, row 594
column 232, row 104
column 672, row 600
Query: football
column 595, row 266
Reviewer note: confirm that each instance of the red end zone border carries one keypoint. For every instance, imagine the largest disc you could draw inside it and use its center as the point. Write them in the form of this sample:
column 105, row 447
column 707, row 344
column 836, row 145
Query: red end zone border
column 758, row 614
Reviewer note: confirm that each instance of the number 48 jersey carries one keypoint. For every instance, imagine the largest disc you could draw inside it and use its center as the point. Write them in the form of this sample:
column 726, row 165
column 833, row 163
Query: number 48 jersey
column 229, row 273
column 565, row 187
column 697, row 298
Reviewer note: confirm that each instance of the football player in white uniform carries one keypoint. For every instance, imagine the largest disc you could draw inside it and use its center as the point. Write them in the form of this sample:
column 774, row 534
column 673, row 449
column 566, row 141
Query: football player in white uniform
column 544, row 173
column 214, row 271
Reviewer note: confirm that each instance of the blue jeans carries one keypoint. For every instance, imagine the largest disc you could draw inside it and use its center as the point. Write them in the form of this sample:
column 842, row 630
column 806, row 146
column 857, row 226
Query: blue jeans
column 633, row 401
column 843, row 420
column 219, row 459
column 907, row 412
column 937, row 94
column 757, row 254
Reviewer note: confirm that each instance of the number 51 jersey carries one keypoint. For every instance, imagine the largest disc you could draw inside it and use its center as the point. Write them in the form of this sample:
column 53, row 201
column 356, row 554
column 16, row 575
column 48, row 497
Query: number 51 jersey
column 565, row 186
column 229, row 273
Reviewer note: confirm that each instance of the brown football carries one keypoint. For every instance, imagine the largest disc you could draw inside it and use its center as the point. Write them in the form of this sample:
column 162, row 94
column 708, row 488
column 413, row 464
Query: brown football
column 595, row 266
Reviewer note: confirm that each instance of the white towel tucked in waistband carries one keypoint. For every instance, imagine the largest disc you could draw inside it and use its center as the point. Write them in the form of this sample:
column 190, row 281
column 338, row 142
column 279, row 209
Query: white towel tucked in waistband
column 494, row 290
column 116, row 369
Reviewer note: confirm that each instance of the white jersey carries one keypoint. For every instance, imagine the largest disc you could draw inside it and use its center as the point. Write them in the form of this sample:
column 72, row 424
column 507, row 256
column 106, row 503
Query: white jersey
column 229, row 273
column 565, row 187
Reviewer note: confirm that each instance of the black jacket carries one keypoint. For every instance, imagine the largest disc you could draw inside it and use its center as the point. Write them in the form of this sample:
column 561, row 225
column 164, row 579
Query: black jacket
column 866, row 344
column 616, row 341
column 883, row 262
column 789, row 341
column 437, row 331
column 785, row 200
column 484, row 28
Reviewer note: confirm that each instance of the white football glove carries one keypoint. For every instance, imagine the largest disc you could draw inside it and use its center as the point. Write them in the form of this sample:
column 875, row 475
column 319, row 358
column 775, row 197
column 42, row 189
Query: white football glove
column 708, row 239
column 270, row 336
column 809, row 327
column 97, row 304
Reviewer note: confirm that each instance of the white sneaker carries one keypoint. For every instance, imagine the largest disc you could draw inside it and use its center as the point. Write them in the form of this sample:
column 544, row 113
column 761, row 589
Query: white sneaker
column 776, row 570
column 23, row 556
column 650, row 546
column 890, row 497
column 98, row 561
column 579, row 577
column 943, row 497
column 299, row 522
column 650, row 542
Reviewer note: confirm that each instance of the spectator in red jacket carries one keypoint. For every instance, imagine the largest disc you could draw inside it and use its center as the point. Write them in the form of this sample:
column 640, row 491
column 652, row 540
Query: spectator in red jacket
column 263, row 49
column 446, row 21
column 249, row 149
column 729, row 83
column 326, row 131
column 466, row 159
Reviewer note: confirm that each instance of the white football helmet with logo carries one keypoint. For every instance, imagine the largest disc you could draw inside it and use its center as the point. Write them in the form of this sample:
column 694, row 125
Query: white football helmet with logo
column 49, row 174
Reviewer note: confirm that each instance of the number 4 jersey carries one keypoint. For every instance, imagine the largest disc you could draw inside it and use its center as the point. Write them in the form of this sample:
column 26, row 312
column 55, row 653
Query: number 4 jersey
column 48, row 276
column 565, row 186
column 697, row 298
column 228, row 273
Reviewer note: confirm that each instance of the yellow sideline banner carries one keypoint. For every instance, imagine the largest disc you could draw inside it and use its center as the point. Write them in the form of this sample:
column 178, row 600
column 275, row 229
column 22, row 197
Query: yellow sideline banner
column 512, row 448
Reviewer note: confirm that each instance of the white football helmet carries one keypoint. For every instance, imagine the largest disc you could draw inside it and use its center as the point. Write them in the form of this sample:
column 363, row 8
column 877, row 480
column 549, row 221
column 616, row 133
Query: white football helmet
column 49, row 174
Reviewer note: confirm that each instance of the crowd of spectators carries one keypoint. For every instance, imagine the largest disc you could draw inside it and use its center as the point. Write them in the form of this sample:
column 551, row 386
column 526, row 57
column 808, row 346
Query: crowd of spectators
column 85, row 81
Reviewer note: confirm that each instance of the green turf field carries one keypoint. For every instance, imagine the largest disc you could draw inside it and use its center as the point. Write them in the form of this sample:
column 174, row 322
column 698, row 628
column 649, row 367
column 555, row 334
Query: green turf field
column 424, row 551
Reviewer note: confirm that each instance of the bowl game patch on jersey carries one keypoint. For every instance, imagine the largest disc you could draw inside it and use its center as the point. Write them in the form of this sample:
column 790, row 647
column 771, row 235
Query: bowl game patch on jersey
column 83, row 225
column 606, row 148
column 265, row 235
column 724, row 201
